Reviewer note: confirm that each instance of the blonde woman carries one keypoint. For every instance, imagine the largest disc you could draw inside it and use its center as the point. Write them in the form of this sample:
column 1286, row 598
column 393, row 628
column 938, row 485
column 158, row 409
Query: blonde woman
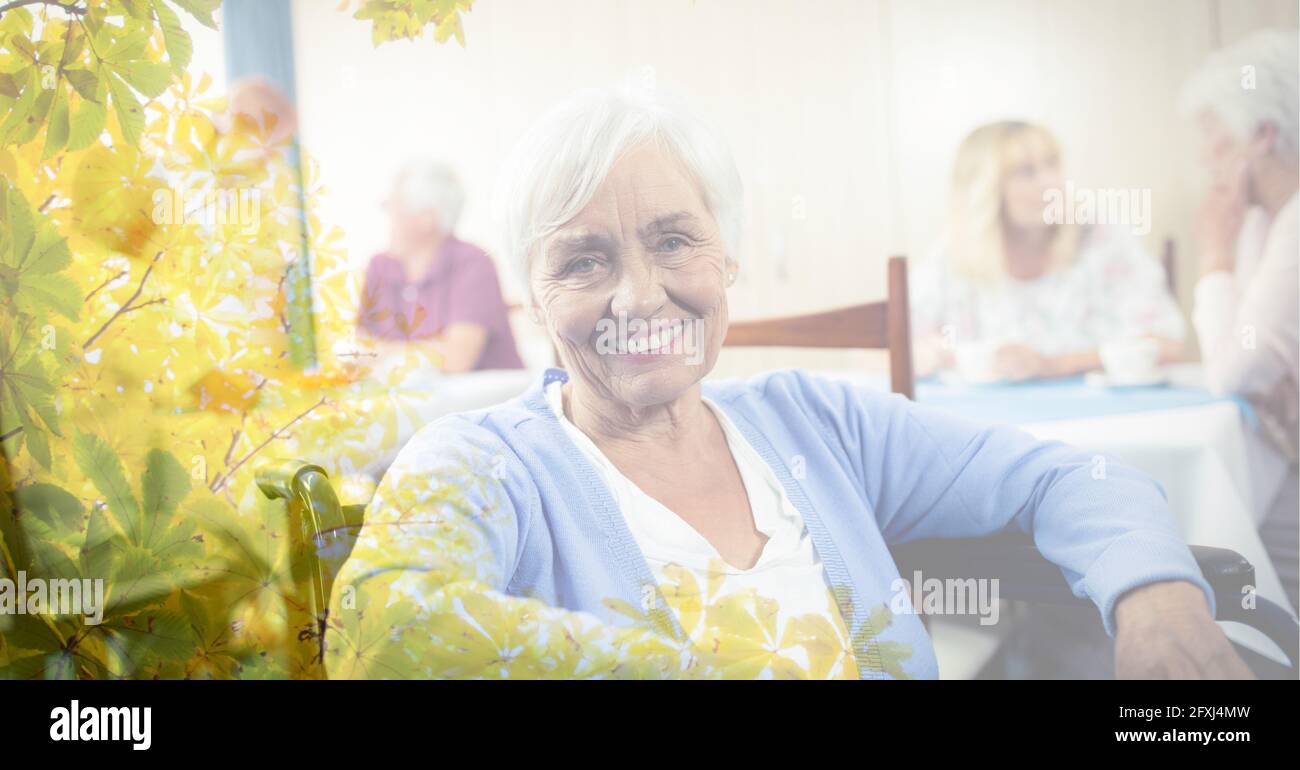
column 1014, row 293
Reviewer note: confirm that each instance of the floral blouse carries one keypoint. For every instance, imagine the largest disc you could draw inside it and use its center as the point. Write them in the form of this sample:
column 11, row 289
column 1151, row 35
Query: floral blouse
column 1113, row 289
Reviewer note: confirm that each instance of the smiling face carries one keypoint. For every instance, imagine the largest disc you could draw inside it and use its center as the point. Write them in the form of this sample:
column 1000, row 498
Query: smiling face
column 634, row 287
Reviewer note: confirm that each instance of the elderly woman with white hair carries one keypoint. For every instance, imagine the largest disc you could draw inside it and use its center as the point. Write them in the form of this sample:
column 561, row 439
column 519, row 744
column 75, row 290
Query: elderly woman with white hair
column 431, row 290
column 623, row 517
column 1247, row 313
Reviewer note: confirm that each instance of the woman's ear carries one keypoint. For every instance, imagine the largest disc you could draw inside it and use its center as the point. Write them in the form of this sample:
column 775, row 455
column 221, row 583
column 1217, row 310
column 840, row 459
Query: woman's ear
column 730, row 270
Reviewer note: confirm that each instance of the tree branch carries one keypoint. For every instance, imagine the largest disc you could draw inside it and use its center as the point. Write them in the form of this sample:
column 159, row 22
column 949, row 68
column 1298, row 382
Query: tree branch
column 71, row 9
column 222, row 478
column 100, row 287
column 11, row 433
column 126, row 308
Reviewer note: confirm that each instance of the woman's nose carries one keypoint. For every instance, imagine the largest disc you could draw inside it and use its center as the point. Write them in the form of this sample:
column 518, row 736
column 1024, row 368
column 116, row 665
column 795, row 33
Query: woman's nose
column 640, row 292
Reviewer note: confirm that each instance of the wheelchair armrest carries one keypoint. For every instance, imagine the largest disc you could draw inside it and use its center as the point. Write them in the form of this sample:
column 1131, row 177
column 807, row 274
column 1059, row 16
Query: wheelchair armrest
column 1023, row 574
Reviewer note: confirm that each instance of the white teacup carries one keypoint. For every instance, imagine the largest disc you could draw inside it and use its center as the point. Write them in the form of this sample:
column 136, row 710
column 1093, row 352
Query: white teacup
column 1131, row 361
column 975, row 361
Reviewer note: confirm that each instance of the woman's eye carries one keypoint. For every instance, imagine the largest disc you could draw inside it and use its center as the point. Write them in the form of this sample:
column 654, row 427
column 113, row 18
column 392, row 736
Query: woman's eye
column 583, row 265
column 673, row 243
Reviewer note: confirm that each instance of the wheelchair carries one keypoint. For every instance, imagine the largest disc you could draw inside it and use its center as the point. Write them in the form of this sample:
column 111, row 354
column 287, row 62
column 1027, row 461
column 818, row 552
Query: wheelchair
column 323, row 532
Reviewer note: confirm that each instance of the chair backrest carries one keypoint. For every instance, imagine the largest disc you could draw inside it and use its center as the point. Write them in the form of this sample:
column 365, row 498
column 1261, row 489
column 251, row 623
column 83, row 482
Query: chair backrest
column 1169, row 260
column 882, row 325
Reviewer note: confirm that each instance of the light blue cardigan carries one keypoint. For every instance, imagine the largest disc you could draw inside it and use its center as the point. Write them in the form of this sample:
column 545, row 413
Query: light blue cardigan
column 865, row 469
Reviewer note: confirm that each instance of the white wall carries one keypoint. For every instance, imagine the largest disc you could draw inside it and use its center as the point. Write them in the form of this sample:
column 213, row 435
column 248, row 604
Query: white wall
column 843, row 114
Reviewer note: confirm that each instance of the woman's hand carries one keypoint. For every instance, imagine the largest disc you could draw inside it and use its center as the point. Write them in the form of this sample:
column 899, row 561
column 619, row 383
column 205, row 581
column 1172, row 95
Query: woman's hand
column 930, row 355
column 1018, row 363
column 1165, row 631
column 1218, row 222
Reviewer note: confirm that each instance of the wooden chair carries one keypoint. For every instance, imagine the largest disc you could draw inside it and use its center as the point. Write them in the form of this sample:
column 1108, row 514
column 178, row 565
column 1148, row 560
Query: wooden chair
column 875, row 325
column 1169, row 259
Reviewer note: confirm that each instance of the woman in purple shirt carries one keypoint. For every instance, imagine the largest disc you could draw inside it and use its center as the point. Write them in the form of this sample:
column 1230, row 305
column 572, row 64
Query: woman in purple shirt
column 432, row 289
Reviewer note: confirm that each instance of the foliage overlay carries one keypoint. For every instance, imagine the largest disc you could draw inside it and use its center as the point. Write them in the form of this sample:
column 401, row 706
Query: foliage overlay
column 145, row 237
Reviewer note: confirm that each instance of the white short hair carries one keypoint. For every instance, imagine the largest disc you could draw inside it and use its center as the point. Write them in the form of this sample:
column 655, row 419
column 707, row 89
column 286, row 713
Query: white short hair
column 1222, row 85
column 426, row 184
column 556, row 168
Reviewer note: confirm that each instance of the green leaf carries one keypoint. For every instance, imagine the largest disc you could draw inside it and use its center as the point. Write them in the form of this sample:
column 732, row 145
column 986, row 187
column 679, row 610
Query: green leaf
column 87, row 125
column 21, row 44
column 201, row 10
column 136, row 8
column 155, row 635
column 34, row 259
column 52, row 504
column 32, row 124
column 180, row 47
column 86, row 83
column 8, row 86
column 56, row 136
column 101, row 465
column 19, row 111
column 148, row 78
column 75, row 45
column 56, row 292
column 17, row 216
column 38, row 389
column 29, row 632
column 48, row 558
column 164, row 484
column 103, row 543
column 49, row 255
column 26, row 394
column 130, row 116
column 38, row 445
column 120, row 45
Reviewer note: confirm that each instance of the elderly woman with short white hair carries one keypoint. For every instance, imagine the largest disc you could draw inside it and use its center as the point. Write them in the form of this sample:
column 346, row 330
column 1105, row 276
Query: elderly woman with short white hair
column 1245, row 101
column 624, row 517
column 431, row 291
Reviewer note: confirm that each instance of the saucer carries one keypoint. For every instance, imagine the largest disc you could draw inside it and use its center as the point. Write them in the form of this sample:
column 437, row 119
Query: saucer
column 1099, row 379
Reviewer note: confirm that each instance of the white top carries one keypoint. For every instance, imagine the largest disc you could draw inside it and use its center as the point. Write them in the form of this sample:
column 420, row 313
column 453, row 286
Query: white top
column 1249, row 322
column 1112, row 290
column 778, row 618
